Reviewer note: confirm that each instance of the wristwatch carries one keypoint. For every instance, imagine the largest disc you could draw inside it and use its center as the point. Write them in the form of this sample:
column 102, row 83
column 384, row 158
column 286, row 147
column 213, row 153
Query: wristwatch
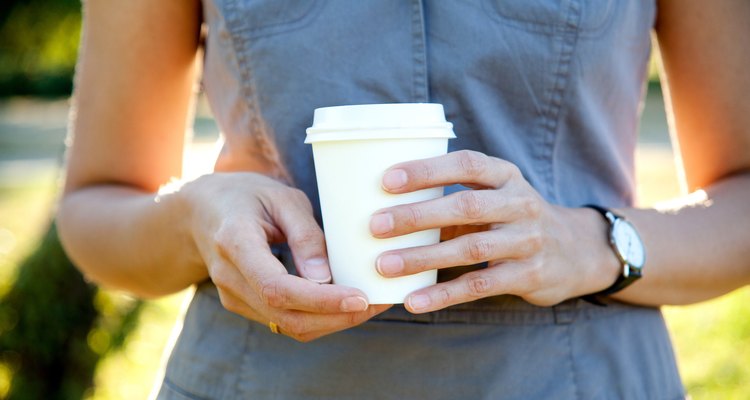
column 628, row 247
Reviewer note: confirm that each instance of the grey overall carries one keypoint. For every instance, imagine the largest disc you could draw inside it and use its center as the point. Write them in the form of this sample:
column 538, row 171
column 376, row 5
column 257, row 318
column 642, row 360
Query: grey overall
column 552, row 86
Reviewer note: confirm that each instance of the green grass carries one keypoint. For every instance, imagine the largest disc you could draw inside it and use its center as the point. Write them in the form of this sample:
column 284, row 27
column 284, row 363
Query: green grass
column 712, row 339
column 713, row 345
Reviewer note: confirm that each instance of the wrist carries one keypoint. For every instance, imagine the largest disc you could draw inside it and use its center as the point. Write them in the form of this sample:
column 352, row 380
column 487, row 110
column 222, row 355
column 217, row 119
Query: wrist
column 601, row 267
column 179, row 199
column 628, row 248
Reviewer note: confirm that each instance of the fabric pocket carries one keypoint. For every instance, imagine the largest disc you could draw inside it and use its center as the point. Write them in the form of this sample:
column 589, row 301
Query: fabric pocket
column 258, row 18
column 552, row 16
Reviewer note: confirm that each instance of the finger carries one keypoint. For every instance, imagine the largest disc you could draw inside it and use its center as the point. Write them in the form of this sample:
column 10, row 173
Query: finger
column 306, row 326
column 503, row 279
column 475, row 248
column 468, row 207
column 304, row 236
column 460, row 167
column 234, row 303
column 244, row 246
column 266, row 276
column 289, row 292
column 300, row 325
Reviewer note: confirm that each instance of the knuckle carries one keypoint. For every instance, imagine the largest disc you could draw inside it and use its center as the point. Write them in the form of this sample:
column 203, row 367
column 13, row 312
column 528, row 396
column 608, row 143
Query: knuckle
column 531, row 244
column 544, row 301
column 444, row 297
column 222, row 239
column 233, row 304
column 512, row 170
column 325, row 304
column 478, row 285
column 229, row 303
column 423, row 172
column 305, row 237
column 412, row 217
column 534, row 275
column 271, row 294
column 305, row 337
column 353, row 319
column 477, row 249
column 472, row 205
column 299, row 197
column 417, row 261
column 222, row 281
column 268, row 194
column 532, row 206
column 295, row 327
column 225, row 288
column 473, row 163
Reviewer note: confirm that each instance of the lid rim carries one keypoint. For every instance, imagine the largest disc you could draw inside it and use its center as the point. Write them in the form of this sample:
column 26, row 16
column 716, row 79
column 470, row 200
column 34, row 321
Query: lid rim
column 379, row 134
column 379, row 121
column 320, row 129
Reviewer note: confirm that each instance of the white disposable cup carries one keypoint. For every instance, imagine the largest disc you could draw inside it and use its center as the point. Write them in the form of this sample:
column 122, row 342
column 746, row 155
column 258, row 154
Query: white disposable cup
column 352, row 148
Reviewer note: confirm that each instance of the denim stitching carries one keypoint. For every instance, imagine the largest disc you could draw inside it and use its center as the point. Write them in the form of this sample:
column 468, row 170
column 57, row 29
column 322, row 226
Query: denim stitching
column 568, row 38
column 169, row 385
column 571, row 361
column 544, row 28
column 419, row 88
column 257, row 129
column 279, row 27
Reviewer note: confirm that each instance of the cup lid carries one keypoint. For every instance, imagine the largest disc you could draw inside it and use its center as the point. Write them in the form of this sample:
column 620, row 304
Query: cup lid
column 379, row 121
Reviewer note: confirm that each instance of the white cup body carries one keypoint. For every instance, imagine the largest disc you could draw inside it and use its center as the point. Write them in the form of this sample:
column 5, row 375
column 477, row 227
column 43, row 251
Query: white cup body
column 349, row 169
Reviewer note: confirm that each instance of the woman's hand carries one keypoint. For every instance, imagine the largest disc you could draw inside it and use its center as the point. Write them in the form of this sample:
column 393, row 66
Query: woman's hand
column 233, row 218
column 540, row 252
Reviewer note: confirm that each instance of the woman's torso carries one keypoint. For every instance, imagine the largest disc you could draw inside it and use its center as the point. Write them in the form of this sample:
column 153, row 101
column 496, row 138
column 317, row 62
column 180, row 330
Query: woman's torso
column 553, row 86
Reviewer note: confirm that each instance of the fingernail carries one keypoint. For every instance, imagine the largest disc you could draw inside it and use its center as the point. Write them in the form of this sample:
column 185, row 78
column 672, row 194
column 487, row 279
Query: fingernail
column 394, row 179
column 389, row 264
column 381, row 223
column 316, row 270
column 418, row 302
column 354, row 303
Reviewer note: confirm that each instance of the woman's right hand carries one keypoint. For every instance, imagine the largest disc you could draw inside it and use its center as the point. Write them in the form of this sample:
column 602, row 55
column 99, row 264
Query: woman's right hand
column 233, row 218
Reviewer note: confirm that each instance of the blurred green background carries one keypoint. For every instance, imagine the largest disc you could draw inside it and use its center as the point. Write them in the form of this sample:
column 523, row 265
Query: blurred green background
column 125, row 338
column 38, row 45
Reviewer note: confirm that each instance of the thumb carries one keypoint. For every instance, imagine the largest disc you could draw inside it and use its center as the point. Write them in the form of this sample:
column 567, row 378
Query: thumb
column 304, row 237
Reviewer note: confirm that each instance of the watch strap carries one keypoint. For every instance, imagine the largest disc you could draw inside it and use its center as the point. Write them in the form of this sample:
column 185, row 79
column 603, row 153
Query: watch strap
column 626, row 276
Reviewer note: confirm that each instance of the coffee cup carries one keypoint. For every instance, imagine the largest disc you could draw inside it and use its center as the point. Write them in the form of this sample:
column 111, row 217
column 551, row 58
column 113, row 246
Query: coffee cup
column 353, row 146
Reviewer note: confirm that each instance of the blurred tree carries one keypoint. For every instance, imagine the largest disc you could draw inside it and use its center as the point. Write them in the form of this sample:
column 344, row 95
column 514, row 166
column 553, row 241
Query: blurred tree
column 54, row 326
column 38, row 46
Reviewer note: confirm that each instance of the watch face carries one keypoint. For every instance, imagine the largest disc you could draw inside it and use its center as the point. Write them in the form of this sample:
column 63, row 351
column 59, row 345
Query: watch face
column 628, row 243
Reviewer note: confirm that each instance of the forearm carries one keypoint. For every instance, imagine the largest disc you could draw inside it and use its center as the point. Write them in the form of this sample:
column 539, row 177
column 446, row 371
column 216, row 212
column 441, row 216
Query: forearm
column 128, row 239
column 694, row 252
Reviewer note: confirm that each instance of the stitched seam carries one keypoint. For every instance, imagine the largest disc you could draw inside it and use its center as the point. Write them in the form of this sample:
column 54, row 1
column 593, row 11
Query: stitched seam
column 571, row 362
column 262, row 137
column 543, row 27
column 170, row 385
column 246, row 359
column 568, row 38
column 419, row 88
column 239, row 44
column 609, row 18
column 283, row 26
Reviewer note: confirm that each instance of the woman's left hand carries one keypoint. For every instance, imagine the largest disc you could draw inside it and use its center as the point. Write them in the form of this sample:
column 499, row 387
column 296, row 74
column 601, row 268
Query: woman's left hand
column 540, row 252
